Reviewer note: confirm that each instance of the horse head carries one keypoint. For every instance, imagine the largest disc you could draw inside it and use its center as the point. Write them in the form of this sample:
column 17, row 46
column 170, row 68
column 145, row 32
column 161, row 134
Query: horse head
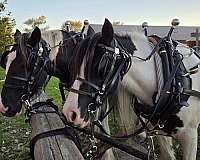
column 98, row 65
column 25, row 67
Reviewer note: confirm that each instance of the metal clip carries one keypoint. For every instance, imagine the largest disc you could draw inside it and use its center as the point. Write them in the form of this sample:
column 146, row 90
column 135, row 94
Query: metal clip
column 91, row 108
column 98, row 100
column 116, row 50
column 161, row 126
column 40, row 51
column 151, row 154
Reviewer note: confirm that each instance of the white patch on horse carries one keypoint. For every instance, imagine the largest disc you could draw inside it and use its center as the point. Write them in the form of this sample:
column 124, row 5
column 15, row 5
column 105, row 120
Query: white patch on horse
column 71, row 104
column 11, row 57
column 136, row 80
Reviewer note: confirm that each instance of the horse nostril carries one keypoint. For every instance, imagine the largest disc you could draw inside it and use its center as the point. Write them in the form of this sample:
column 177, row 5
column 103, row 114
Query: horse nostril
column 74, row 115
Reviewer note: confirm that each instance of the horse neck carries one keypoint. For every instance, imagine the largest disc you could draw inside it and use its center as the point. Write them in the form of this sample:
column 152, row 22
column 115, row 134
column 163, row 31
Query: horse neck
column 141, row 79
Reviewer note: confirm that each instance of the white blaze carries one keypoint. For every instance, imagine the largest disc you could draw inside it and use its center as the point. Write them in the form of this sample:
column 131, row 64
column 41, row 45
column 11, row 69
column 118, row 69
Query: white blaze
column 11, row 57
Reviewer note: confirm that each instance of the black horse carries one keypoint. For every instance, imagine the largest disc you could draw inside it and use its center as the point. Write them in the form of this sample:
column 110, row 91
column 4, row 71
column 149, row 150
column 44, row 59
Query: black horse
column 63, row 53
column 26, row 73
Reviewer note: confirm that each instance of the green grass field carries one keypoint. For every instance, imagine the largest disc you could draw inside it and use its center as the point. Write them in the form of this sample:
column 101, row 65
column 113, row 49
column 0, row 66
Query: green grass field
column 15, row 133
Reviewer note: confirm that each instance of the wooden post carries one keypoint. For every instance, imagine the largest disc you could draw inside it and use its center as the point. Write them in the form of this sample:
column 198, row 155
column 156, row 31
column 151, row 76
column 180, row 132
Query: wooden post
column 51, row 148
column 196, row 35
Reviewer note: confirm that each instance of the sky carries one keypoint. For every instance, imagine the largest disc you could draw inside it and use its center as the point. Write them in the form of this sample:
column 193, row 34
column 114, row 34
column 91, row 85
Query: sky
column 130, row 12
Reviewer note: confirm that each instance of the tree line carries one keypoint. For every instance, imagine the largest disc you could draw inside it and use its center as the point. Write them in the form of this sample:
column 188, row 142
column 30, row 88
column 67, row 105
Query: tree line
column 67, row 25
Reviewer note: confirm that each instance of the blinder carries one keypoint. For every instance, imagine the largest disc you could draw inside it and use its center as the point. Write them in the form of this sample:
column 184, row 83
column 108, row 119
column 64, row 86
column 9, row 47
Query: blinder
column 105, row 64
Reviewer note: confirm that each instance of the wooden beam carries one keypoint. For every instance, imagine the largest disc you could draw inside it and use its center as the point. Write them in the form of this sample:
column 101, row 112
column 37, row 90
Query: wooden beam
column 56, row 147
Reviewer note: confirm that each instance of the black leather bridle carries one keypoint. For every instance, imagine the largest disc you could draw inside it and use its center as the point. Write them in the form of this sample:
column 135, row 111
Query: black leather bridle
column 35, row 65
column 119, row 66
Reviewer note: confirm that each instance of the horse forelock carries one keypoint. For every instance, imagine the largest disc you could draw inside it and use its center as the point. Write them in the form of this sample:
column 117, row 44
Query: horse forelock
column 20, row 47
column 90, row 53
column 22, row 42
column 86, row 50
column 77, row 59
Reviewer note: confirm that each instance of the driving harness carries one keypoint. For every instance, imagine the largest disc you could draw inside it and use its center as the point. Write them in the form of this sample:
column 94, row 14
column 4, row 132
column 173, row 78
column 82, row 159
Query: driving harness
column 176, row 90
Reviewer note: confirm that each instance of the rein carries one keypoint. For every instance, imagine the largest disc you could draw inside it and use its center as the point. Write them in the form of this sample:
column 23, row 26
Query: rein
column 69, row 132
column 72, row 37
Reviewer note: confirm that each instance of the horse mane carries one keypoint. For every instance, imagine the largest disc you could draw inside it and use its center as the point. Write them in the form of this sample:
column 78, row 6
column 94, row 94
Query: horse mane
column 126, row 42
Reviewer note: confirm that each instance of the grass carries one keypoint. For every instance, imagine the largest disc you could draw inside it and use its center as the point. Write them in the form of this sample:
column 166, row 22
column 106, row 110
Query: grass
column 15, row 133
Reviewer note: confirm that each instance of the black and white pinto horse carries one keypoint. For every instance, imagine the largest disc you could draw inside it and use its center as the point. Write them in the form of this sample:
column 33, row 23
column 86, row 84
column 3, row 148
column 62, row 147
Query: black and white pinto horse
column 25, row 71
column 99, row 67
column 64, row 46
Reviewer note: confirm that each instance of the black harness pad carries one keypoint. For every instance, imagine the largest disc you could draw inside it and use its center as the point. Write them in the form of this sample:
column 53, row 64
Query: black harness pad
column 170, row 102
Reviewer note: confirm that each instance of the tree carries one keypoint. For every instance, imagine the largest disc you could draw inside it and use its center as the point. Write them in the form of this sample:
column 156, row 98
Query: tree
column 73, row 25
column 40, row 22
column 7, row 24
column 117, row 23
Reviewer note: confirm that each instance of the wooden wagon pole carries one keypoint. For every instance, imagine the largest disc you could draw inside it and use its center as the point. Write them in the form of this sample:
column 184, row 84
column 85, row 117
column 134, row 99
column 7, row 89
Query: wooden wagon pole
column 55, row 147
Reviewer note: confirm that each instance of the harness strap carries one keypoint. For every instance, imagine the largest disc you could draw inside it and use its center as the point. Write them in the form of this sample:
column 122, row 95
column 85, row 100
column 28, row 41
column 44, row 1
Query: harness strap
column 113, row 141
column 19, row 78
column 66, row 131
column 82, row 92
column 193, row 93
column 167, row 85
column 61, row 88
column 89, row 83
column 107, row 48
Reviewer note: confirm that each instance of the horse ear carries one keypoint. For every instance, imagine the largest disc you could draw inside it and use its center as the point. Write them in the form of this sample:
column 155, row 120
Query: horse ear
column 35, row 37
column 107, row 32
column 16, row 35
column 17, row 32
column 90, row 31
